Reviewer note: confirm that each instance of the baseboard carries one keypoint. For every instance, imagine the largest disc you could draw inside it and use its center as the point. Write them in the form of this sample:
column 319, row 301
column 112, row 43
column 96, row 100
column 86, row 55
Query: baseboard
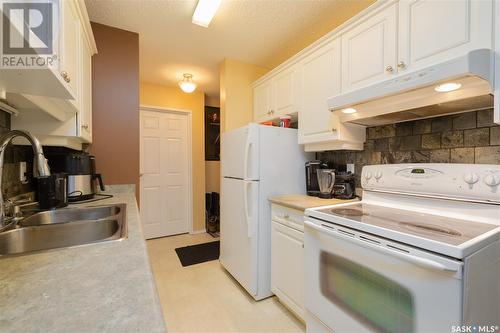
column 201, row 231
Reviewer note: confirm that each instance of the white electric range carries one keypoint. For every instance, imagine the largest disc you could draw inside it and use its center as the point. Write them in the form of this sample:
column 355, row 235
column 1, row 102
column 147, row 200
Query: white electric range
column 419, row 253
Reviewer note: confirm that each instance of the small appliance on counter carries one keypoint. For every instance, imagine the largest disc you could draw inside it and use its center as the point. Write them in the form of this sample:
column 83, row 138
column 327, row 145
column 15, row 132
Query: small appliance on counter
column 345, row 185
column 81, row 175
column 51, row 191
column 326, row 182
column 312, row 186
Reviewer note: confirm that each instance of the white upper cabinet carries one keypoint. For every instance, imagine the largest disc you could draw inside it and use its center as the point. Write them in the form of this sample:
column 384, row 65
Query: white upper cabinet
column 320, row 73
column 385, row 41
column 285, row 92
column 70, row 47
column 369, row 50
column 319, row 129
column 84, row 122
column 433, row 31
column 262, row 102
column 63, row 121
column 276, row 96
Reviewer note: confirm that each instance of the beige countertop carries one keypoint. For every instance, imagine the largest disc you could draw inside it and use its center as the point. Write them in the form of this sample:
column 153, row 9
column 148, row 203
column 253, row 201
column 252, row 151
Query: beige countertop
column 302, row 201
column 102, row 287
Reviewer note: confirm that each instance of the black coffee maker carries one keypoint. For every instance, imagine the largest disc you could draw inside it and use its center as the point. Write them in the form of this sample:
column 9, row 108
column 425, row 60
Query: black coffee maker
column 312, row 186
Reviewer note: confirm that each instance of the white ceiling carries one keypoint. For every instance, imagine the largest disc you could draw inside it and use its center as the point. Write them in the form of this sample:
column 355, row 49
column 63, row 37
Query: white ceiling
column 246, row 30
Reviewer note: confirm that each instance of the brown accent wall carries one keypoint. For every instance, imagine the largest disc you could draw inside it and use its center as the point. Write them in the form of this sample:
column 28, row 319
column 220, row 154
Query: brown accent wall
column 115, row 105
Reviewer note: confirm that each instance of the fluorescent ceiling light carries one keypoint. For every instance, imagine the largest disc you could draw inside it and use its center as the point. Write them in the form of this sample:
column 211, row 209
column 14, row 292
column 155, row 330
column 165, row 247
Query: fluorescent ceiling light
column 205, row 12
column 349, row 110
column 187, row 85
column 446, row 87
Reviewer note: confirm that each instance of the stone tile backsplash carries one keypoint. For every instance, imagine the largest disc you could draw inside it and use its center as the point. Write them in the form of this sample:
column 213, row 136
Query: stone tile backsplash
column 469, row 137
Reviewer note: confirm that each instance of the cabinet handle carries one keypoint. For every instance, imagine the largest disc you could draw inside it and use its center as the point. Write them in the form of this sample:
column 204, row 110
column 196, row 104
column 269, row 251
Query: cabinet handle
column 389, row 69
column 65, row 76
column 401, row 65
column 86, row 127
column 334, row 129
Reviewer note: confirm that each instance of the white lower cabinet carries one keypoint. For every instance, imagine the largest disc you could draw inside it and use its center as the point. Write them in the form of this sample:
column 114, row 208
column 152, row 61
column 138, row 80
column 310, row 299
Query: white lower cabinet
column 287, row 258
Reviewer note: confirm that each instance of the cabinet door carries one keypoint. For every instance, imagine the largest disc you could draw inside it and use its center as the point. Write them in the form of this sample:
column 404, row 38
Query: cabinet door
column 369, row 50
column 287, row 266
column 85, row 112
column 285, row 92
column 432, row 31
column 70, row 47
column 320, row 76
column 262, row 96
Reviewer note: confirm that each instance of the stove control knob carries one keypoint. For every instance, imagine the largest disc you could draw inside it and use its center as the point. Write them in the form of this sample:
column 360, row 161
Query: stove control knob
column 492, row 180
column 378, row 175
column 471, row 178
column 368, row 175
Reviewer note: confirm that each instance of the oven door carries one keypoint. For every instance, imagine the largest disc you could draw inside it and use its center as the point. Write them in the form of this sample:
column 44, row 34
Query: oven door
column 356, row 282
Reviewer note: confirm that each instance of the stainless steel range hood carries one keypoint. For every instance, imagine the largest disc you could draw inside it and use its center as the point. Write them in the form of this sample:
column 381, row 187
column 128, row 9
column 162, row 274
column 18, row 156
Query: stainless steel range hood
column 413, row 96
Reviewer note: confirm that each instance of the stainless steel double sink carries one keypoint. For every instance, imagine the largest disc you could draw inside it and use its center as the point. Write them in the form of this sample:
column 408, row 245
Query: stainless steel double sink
column 65, row 227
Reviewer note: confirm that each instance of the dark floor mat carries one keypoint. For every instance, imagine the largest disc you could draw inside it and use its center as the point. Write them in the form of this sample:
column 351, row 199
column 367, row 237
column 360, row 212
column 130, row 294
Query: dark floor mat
column 196, row 254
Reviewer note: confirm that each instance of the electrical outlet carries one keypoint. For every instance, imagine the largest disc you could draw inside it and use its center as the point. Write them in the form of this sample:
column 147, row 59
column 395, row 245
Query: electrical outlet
column 22, row 173
column 350, row 167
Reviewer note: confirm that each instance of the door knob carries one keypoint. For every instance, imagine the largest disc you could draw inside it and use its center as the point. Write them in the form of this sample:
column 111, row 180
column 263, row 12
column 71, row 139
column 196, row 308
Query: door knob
column 389, row 69
column 401, row 65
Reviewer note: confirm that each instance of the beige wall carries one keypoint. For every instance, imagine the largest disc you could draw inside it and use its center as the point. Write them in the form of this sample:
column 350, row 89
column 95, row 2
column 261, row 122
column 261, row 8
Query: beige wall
column 329, row 21
column 173, row 97
column 236, row 94
column 212, row 176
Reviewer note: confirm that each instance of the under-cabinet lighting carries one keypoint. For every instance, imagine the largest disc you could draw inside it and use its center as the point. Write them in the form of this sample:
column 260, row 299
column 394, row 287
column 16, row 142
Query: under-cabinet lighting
column 205, row 12
column 349, row 110
column 449, row 86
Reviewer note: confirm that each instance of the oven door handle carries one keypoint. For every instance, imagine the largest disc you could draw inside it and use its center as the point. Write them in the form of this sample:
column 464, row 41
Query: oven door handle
column 423, row 262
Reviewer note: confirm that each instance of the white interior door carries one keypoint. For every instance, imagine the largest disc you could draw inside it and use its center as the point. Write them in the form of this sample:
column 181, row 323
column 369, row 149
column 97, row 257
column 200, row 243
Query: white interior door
column 165, row 173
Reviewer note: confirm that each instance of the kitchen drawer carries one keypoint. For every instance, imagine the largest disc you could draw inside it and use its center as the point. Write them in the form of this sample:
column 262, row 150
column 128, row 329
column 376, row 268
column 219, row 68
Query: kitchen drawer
column 288, row 216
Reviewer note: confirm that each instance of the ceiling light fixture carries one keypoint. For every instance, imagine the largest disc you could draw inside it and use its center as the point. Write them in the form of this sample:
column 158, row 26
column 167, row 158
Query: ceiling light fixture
column 349, row 110
column 449, row 86
column 187, row 85
column 205, row 12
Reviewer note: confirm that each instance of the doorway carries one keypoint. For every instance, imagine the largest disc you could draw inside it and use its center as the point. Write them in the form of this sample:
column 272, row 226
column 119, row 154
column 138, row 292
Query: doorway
column 166, row 177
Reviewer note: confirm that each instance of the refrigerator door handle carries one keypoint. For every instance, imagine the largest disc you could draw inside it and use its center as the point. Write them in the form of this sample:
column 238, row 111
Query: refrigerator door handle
column 245, row 160
column 248, row 217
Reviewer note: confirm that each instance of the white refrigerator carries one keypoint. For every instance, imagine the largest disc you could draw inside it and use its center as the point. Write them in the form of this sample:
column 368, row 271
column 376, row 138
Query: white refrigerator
column 256, row 162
